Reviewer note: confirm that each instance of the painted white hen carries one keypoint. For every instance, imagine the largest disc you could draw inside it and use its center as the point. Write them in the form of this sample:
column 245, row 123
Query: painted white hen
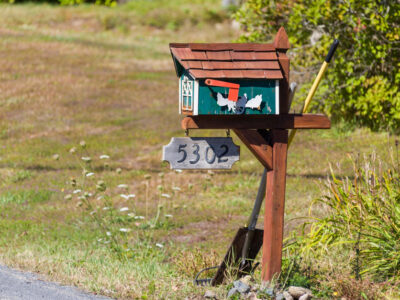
column 221, row 101
column 254, row 102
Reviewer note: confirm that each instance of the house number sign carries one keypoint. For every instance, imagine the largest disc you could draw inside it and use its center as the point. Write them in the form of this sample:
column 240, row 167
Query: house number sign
column 201, row 153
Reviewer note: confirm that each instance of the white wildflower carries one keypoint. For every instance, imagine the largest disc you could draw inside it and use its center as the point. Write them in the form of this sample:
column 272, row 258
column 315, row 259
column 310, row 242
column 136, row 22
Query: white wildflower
column 175, row 188
column 108, row 233
column 106, row 208
column 104, row 156
column 124, row 209
column 168, row 216
column 178, row 171
column 89, row 174
column 86, row 159
column 139, row 218
column 123, row 186
column 124, row 229
column 76, row 191
column 159, row 245
column 72, row 150
column 131, row 215
column 166, row 195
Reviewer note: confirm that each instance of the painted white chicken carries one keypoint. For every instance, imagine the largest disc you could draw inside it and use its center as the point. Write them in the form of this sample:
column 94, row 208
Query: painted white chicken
column 254, row 102
column 221, row 101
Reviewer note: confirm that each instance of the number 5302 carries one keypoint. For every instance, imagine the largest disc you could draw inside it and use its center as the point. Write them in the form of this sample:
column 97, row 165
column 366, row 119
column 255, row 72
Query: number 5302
column 209, row 154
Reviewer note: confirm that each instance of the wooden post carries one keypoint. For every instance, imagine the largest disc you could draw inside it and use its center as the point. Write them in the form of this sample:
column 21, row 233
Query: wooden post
column 271, row 151
column 274, row 207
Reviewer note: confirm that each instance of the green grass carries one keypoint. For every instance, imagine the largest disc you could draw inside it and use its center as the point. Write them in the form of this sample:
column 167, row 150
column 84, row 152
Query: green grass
column 106, row 76
column 24, row 197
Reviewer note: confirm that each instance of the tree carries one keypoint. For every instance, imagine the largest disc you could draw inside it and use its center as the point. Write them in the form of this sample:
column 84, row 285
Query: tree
column 362, row 86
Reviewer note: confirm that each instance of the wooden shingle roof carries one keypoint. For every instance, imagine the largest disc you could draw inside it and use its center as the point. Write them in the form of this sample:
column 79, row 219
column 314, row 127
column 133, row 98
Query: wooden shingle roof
column 231, row 60
column 228, row 60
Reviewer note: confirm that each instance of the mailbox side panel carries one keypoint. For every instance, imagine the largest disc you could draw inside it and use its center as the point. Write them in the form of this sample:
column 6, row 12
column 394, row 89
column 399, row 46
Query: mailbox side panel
column 188, row 94
column 262, row 98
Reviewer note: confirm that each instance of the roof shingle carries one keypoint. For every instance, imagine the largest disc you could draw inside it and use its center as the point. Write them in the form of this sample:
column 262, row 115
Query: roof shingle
column 228, row 60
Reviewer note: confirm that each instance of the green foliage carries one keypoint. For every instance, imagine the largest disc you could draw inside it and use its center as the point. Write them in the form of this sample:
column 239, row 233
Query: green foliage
column 362, row 220
column 293, row 273
column 361, row 87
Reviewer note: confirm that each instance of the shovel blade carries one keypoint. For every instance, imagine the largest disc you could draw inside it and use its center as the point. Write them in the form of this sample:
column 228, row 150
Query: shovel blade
column 234, row 254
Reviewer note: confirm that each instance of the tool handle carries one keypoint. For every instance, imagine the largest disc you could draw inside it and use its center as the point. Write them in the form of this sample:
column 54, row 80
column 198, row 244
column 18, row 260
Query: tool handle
column 332, row 50
column 315, row 84
column 251, row 224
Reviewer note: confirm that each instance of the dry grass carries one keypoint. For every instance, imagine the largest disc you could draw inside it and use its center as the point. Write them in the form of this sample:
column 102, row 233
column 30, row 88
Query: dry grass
column 70, row 74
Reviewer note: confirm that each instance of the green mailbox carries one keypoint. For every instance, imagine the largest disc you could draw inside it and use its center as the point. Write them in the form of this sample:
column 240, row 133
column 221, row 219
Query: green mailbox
column 231, row 78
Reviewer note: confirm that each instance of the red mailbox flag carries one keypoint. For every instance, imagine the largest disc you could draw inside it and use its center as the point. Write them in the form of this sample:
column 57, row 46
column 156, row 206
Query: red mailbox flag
column 233, row 88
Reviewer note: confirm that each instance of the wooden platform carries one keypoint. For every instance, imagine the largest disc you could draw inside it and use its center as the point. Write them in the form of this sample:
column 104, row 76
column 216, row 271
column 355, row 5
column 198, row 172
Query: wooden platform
column 284, row 121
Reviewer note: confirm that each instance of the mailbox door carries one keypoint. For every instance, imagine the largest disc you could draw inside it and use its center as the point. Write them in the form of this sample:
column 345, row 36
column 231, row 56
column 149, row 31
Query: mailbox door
column 262, row 98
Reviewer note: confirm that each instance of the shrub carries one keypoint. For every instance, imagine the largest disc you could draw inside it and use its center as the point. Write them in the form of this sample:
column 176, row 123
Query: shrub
column 361, row 221
column 362, row 85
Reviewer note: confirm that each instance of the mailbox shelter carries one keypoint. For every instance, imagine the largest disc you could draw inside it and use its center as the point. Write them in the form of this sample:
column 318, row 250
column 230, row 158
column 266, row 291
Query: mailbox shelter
column 245, row 87
column 230, row 78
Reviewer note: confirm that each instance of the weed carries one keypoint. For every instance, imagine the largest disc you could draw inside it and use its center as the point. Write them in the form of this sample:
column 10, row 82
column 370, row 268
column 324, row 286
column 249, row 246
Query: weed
column 358, row 232
column 190, row 261
column 25, row 197
column 97, row 203
column 345, row 285
column 20, row 176
column 363, row 212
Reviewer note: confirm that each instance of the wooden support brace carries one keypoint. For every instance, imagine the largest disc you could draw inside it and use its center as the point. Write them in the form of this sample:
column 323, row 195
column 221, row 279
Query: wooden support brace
column 257, row 144
column 274, row 207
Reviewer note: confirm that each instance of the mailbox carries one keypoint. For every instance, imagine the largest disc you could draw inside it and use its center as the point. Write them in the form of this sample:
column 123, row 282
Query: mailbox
column 232, row 78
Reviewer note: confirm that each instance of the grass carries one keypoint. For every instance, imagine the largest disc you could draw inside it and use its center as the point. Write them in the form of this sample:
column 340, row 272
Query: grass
column 106, row 76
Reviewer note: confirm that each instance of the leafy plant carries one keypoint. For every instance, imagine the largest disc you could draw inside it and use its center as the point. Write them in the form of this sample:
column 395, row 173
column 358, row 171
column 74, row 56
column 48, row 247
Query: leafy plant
column 361, row 220
column 361, row 87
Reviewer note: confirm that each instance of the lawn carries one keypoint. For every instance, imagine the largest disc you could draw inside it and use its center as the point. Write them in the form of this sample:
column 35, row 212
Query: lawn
column 105, row 76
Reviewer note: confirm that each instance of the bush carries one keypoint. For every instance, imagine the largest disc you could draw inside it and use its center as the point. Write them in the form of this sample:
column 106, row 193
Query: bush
column 361, row 221
column 361, row 87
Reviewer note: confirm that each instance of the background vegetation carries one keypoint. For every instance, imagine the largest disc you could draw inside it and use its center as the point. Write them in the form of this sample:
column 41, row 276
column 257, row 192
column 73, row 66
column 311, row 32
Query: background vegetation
column 362, row 85
column 88, row 95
